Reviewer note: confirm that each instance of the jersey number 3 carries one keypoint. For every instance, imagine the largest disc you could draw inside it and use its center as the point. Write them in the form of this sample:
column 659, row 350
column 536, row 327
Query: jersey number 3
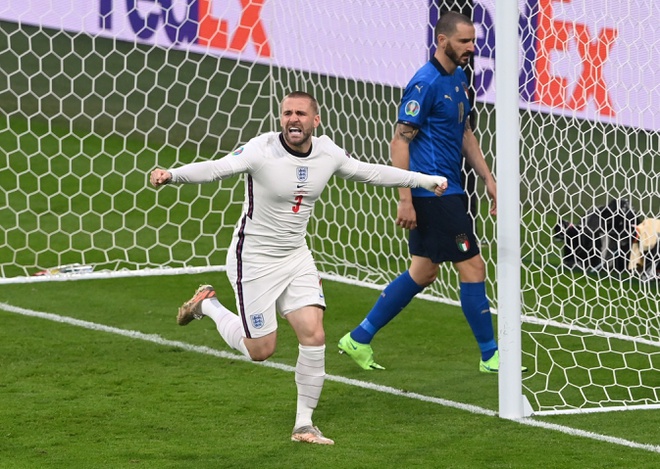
column 298, row 200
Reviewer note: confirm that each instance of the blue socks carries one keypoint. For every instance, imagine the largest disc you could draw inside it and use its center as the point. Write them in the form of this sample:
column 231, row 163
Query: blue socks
column 477, row 312
column 403, row 289
column 392, row 300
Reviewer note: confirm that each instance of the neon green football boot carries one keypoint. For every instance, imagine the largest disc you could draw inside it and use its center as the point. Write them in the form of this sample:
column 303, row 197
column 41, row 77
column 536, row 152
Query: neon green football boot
column 362, row 354
column 492, row 365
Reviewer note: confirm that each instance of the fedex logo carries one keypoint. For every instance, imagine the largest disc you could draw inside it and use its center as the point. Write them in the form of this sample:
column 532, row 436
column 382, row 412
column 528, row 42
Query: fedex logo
column 190, row 21
column 543, row 38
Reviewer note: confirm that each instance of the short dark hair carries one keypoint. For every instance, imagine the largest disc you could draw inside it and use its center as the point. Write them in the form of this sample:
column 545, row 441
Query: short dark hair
column 302, row 94
column 447, row 22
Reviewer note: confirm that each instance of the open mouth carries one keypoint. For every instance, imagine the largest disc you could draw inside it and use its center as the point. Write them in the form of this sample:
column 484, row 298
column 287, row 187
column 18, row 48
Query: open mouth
column 295, row 131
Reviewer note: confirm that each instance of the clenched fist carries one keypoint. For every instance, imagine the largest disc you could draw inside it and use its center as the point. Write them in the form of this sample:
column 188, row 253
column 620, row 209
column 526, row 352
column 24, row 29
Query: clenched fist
column 159, row 177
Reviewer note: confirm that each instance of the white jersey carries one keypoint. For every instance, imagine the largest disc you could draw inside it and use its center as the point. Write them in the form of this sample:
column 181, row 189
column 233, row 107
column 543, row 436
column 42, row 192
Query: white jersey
column 282, row 186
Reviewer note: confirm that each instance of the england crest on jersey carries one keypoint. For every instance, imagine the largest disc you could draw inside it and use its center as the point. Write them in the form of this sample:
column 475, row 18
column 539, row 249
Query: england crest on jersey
column 302, row 172
column 257, row 320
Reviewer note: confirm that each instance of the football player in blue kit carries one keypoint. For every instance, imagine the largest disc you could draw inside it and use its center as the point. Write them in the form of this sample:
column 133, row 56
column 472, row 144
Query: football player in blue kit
column 432, row 136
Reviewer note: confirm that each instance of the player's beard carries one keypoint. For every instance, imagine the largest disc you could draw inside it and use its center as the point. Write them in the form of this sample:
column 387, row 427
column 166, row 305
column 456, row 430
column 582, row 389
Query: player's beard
column 306, row 134
column 457, row 60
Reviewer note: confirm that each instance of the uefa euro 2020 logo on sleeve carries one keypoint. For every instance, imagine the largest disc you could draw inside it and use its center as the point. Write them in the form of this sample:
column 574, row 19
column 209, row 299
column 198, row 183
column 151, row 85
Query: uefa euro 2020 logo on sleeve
column 412, row 108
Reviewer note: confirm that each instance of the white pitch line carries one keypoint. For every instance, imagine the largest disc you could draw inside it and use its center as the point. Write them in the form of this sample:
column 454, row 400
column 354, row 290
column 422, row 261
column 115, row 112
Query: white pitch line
column 156, row 339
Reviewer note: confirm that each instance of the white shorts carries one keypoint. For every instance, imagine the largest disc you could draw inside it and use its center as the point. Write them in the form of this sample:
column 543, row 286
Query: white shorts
column 265, row 286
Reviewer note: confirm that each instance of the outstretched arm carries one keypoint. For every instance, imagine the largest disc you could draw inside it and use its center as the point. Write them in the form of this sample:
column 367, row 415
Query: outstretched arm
column 388, row 176
column 198, row 173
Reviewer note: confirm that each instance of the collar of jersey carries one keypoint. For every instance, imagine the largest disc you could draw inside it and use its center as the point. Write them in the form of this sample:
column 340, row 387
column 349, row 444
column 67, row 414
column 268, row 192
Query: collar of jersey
column 294, row 152
column 438, row 66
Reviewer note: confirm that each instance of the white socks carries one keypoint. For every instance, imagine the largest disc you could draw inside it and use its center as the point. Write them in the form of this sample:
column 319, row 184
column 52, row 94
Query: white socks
column 310, row 368
column 228, row 324
column 310, row 375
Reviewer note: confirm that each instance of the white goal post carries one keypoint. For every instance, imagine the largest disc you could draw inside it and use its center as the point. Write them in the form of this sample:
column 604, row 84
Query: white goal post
column 95, row 94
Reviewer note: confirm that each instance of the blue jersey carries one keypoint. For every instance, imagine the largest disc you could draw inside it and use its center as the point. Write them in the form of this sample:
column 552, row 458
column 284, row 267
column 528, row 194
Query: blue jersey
column 437, row 104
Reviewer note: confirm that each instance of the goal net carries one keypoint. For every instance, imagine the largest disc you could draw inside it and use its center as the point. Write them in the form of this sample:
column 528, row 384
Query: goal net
column 95, row 94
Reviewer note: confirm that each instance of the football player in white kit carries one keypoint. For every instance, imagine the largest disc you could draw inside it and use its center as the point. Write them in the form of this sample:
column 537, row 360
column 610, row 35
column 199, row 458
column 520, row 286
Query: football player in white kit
column 269, row 264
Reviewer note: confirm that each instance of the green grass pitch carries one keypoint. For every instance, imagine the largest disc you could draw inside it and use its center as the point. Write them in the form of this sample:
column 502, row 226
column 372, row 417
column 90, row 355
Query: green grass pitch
column 81, row 397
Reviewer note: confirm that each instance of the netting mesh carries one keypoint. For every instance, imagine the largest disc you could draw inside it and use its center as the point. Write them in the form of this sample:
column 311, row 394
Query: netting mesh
column 96, row 94
column 596, row 343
